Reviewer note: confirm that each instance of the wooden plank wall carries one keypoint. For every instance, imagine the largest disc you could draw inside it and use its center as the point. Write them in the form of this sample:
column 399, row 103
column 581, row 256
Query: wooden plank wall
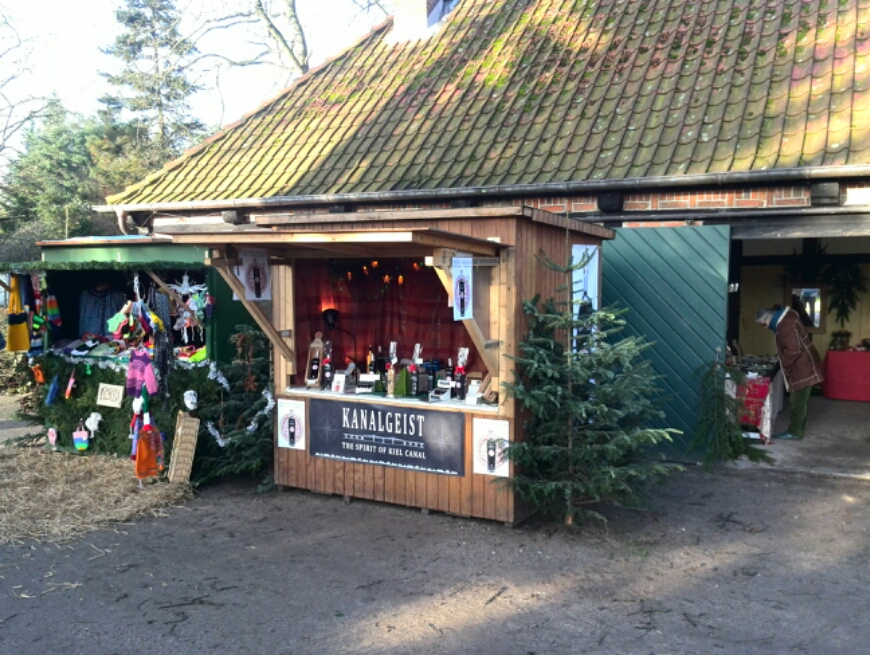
column 480, row 496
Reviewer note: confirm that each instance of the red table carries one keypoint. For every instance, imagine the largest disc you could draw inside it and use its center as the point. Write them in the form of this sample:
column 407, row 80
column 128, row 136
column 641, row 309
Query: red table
column 847, row 375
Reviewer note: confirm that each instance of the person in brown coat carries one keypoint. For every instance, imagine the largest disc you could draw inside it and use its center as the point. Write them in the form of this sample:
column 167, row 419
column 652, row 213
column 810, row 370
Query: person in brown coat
column 800, row 361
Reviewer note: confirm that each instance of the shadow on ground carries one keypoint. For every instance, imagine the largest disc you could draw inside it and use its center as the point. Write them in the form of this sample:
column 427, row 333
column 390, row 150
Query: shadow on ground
column 750, row 561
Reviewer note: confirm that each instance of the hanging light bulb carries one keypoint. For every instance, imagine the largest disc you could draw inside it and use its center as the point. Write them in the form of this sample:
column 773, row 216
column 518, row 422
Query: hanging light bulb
column 366, row 270
column 374, row 263
column 416, row 266
column 349, row 276
column 401, row 280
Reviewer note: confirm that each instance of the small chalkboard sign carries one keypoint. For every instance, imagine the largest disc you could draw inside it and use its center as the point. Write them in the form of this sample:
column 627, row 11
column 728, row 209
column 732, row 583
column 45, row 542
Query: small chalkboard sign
column 183, row 447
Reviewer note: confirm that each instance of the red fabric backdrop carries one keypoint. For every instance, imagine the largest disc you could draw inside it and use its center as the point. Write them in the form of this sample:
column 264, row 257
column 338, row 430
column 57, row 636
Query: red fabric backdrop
column 377, row 312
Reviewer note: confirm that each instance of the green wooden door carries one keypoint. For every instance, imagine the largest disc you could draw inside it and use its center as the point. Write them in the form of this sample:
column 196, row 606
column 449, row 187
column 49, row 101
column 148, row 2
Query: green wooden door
column 674, row 281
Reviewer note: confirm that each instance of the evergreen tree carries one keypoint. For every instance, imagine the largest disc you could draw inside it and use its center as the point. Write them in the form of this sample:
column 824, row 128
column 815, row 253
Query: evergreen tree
column 51, row 182
column 236, row 425
column 588, row 397
column 719, row 433
column 154, row 83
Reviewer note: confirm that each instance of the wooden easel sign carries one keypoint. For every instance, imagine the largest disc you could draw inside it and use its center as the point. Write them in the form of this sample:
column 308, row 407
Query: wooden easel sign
column 183, row 447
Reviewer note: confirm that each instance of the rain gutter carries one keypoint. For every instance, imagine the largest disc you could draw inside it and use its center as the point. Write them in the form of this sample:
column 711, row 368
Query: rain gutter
column 637, row 184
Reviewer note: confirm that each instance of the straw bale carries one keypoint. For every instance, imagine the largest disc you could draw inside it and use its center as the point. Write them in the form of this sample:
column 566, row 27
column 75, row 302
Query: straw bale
column 54, row 497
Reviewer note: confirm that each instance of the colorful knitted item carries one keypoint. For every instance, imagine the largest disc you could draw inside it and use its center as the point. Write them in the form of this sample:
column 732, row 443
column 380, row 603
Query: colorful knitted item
column 52, row 311
column 140, row 373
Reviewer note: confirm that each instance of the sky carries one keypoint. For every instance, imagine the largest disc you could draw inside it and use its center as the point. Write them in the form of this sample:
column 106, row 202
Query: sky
column 65, row 37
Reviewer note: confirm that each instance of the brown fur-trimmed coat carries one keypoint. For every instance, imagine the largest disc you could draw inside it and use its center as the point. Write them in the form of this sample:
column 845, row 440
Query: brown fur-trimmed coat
column 801, row 364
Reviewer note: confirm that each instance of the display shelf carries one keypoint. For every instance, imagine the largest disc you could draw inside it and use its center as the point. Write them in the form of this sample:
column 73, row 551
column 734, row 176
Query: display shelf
column 380, row 398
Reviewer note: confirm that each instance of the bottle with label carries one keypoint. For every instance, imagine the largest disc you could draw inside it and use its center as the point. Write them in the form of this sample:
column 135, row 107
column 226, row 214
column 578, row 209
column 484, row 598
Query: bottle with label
column 328, row 368
column 370, row 360
column 414, row 374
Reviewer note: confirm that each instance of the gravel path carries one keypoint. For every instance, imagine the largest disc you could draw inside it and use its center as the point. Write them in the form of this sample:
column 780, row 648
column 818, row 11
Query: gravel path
column 749, row 561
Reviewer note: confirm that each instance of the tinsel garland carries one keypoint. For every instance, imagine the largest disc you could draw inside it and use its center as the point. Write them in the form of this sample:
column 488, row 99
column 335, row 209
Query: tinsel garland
column 217, row 376
column 216, row 434
column 253, row 425
column 270, row 403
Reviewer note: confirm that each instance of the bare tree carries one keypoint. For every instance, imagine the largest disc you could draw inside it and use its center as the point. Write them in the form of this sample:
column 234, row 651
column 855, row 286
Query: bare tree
column 17, row 109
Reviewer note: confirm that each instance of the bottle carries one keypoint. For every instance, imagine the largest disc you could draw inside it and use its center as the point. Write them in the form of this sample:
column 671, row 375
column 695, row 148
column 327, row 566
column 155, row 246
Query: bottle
column 460, row 386
column 370, row 361
column 326, row 367
column 391, row 382
column 380, row 362
column 415, row 380
column 314, row 369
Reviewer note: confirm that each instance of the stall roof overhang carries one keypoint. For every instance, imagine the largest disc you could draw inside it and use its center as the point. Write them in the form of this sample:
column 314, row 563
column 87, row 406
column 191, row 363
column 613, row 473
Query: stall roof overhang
column 210, row 230
column 355, row 243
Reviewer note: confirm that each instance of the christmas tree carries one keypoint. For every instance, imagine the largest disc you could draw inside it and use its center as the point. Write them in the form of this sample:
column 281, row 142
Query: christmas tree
column 588, row 398
column 237, row 413
column 719, row 433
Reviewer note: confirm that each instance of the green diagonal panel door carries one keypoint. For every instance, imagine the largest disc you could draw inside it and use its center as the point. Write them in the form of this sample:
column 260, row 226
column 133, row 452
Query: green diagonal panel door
column 674, row 281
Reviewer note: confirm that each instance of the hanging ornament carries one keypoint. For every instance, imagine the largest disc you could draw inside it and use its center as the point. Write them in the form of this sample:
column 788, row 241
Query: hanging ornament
column 401, row 280
column 374, row 263
column 70, row 384
column 38, row 374
column 53, row 390
column 190, row 400
column 52, row 438
column 387, row 279
column 416, row 266
column 366, row 270
column 349, row 276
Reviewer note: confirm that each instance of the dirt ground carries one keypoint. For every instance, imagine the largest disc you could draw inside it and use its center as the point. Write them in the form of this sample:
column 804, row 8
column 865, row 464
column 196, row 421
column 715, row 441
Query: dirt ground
column 749, row 561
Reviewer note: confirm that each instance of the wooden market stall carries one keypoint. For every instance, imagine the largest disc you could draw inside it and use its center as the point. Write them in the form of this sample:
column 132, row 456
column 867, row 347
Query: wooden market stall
column 388, row 275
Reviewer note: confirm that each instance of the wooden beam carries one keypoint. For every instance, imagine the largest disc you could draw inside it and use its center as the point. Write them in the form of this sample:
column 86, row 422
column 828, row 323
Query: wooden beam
column 490, row 360
column 172, row 294
column 398, row 215
column 256, row 313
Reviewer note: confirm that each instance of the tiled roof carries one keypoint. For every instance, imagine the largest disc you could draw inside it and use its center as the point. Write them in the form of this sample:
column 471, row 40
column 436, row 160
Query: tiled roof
column 523, row 92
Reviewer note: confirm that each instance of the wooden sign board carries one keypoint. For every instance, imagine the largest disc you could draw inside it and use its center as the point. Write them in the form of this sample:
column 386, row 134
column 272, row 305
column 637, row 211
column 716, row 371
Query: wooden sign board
column 110, row 395
column 183, row 447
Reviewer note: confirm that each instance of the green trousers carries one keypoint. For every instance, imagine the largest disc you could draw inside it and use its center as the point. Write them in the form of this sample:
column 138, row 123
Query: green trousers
column 798, row 415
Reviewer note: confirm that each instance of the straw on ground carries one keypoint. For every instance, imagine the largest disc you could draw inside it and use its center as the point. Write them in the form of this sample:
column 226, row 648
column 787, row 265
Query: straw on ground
column 54, row 497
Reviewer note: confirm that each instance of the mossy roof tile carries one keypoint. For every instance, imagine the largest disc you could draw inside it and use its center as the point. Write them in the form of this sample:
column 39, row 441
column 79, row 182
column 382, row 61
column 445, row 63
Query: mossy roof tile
column 555, row 90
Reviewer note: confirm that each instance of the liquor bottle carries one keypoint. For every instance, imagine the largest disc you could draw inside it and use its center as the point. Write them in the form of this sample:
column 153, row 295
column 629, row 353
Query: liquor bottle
column 449, row 369
column 370, row 360
column 460, row 386
column 328, row 368
column 415, row 380
column 391, row 382
column 380, row 362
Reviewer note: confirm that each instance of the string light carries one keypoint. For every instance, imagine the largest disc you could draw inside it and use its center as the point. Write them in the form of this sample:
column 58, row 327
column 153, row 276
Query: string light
column 401, row 280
